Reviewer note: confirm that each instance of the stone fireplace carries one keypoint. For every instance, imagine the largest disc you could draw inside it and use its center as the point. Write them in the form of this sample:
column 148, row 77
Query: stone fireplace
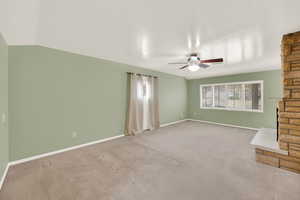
column 286, row 153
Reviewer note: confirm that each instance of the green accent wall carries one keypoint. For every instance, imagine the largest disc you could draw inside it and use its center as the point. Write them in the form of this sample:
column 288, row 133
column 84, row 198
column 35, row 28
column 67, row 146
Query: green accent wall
column 53, row 93
column 272, row 91
column 4, row 144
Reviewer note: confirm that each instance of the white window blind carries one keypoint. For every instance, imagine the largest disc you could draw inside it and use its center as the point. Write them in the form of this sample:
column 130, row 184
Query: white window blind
column 238, row 96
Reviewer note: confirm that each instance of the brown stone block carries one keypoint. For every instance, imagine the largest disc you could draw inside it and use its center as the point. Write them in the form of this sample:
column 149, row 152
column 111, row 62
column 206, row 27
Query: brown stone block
column 294, row 132
column 257, row 150
column 284, row 120
column 292, row 109
column 292, row 58
column 296, row 81
column 289, row 115
column 288, row 158
column 286, row 67
column 295, row 94
column 286, row 48
column 292, row 87
column 287, row 40
column 284, row 145
column 290, row 165
column 295, row 121
column 294, row 153
column 269, row 153
column 295, row 53
column 267, row 160
column 287, row 82
column 296, row 46
column 280, row 105
column 289, row 126
column 289, row 138
column 292, row 103
column 283, row 131
column 294, row 150
column 293, row 66
column 282, row 156
column 292, row 74
column 287, row 93
column 295, row 146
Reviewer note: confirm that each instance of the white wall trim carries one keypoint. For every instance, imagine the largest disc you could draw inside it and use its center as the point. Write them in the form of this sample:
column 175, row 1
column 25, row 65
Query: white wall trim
column 112, row 138
column 77, row 147
column 12, row 163
column 62, row 150
column 229, row 125
column 171, row 123
column 4, row 175
column 100, row 141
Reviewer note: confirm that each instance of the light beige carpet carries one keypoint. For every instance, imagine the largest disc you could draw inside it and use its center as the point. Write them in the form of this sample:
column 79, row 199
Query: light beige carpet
column 186, row 161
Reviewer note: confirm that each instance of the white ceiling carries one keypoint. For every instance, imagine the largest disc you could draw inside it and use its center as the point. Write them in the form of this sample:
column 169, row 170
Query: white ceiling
column 150, row 34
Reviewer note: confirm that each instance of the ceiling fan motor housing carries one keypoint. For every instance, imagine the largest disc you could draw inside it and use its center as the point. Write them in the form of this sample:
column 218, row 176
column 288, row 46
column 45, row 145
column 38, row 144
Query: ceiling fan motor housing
column 193, row 59
column 194, row 63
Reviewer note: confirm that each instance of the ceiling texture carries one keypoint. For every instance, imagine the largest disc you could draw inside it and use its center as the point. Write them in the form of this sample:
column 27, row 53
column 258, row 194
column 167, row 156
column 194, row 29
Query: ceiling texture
column 150, row 34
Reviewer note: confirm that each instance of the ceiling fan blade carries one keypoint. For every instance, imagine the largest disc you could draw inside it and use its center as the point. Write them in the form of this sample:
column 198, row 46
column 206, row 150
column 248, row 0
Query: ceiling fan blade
column 203, row 65
column 216, row 60
column 185, row 66
column 177, row 63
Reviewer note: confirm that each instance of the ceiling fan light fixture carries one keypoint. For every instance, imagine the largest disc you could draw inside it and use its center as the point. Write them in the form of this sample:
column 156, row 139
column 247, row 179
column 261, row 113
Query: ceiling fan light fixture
column 193, row 68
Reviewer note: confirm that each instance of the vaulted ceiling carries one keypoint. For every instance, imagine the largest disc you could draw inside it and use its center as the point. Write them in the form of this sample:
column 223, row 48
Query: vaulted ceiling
column 149, row 34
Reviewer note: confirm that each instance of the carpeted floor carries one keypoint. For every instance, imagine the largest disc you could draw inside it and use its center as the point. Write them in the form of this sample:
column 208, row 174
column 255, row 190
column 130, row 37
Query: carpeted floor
column 186, row 161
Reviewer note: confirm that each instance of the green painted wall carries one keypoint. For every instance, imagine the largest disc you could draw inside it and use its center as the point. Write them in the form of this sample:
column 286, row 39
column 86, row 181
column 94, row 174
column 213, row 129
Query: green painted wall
column 272, row 89
column 4, row 144
column 53, row 93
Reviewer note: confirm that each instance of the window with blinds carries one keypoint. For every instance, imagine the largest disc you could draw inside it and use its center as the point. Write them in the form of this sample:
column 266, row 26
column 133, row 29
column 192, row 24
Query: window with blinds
column 238, row 96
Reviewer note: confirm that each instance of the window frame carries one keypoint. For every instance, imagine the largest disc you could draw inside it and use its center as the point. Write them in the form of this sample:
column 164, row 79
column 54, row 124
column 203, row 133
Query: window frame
column 243, row 83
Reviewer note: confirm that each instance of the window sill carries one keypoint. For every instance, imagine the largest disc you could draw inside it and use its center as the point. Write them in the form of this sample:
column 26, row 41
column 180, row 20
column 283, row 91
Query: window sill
column 230, row 109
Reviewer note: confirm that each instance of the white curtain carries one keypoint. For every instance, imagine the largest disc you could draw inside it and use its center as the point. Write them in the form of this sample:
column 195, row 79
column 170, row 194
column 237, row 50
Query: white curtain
column 143, row 106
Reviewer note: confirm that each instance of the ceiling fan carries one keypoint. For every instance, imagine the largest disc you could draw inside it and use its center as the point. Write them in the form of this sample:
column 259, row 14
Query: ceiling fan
column 194, row 63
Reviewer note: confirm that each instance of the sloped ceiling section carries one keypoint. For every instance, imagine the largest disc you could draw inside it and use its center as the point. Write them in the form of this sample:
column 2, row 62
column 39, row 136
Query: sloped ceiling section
column 150, row 34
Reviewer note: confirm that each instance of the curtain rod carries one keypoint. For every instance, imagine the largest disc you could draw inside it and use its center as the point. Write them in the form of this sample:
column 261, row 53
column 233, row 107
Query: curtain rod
column 142, row 74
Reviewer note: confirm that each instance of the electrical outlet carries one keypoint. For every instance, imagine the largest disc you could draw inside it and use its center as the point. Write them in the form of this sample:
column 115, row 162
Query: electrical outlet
column 74, row 134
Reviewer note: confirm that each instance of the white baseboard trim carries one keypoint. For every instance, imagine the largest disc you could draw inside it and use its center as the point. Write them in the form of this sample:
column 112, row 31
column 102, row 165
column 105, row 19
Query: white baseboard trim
column 52, row 153
column 100, row 141
column 112, row 138
column 62, row 150
column 229, row 125
column 77, row 146
column 4, row 175
column 171, row 123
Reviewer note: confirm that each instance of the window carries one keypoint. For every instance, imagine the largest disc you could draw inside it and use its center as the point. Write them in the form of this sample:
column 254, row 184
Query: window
column 240, row 96
column 143, row 89
column 207, row 96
